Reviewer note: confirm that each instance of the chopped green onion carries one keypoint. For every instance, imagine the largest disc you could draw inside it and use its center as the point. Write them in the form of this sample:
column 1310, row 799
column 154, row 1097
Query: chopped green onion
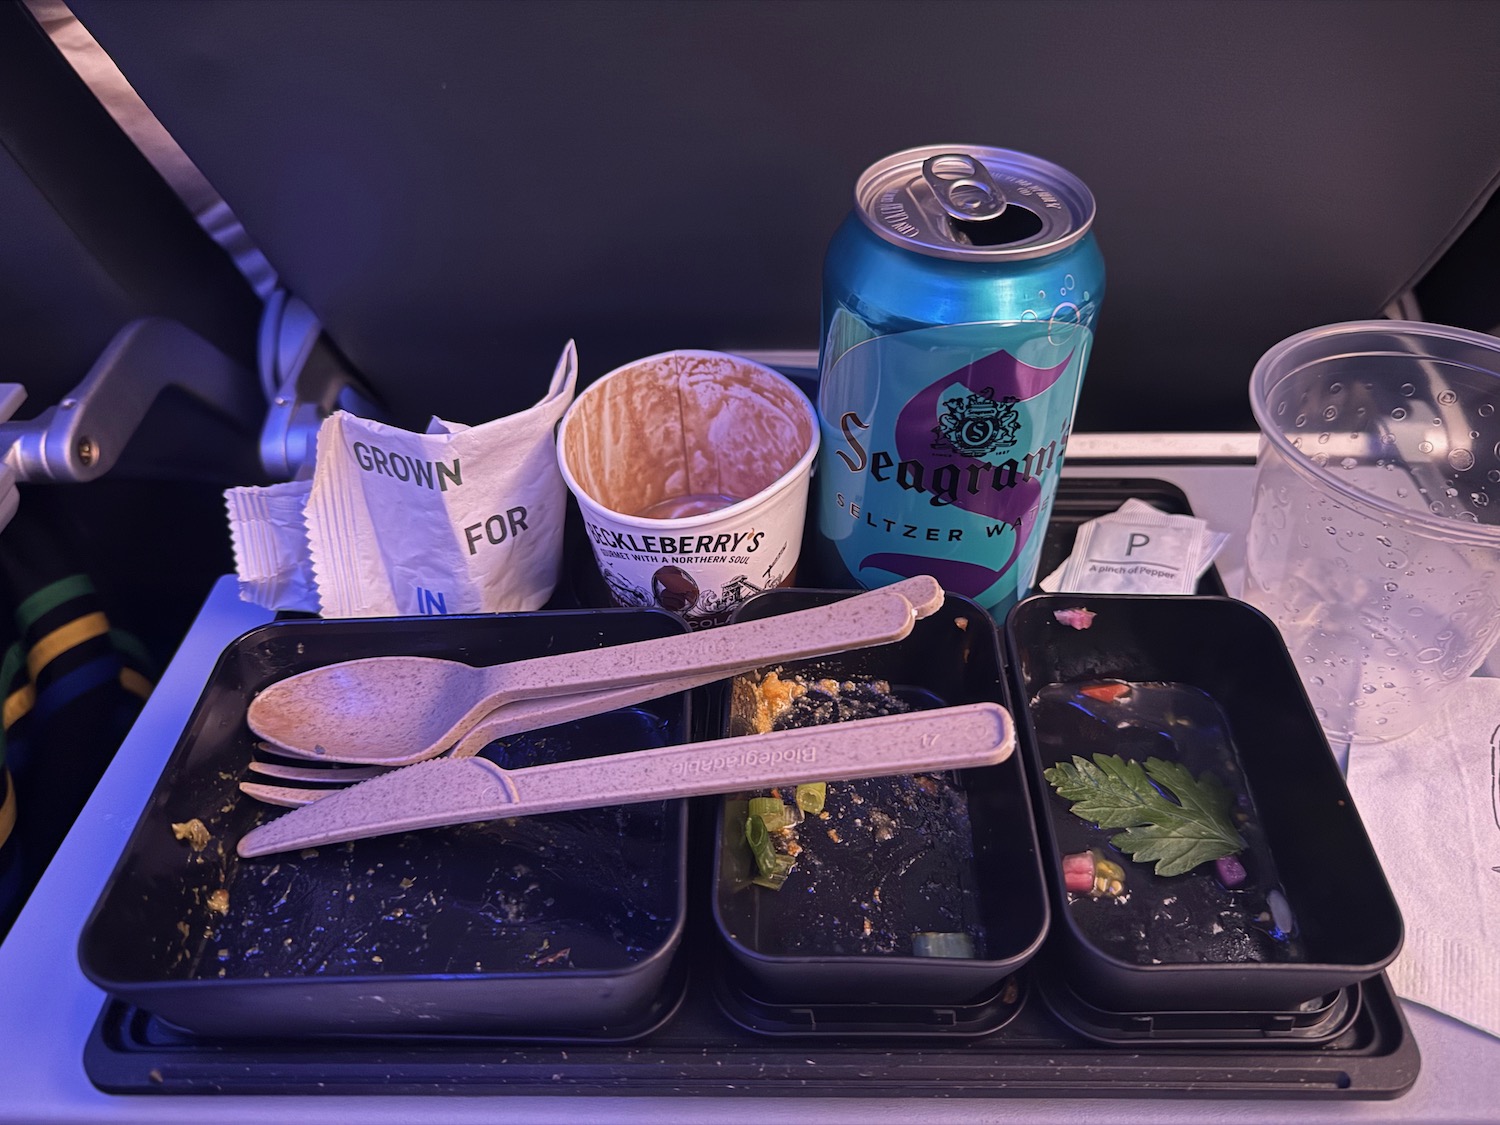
column 772, row 866
column 811, row 796
column 760, row 844
column 755, row 832
column 773, row 811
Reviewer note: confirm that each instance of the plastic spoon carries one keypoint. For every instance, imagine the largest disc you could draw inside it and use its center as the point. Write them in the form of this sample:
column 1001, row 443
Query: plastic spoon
column 394, row 710
column 513, row 718
column 459, row 790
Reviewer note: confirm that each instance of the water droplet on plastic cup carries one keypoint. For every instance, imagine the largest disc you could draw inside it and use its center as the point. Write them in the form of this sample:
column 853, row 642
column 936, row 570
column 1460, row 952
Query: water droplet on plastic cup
column 1324, row 436
column 1447, row 398
column 1330, row 413
column 1408, row 390
column 1424, row 446
column 1349, row 463
column 1398, row 413
column 1479, row 499
column 1486, row 409
column 1392, row 587
column 1461, row 459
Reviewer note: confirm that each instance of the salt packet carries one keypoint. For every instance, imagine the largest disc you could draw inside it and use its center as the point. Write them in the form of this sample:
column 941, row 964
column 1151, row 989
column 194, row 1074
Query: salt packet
column 1138, row 549
column 459, row 519
column 269, row 536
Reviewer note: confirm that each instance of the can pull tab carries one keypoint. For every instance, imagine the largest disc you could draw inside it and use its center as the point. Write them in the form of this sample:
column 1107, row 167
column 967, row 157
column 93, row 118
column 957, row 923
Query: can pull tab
column 963, row 187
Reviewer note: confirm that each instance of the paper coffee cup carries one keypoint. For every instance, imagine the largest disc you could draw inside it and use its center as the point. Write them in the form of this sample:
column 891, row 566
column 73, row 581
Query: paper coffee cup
column 691, row 470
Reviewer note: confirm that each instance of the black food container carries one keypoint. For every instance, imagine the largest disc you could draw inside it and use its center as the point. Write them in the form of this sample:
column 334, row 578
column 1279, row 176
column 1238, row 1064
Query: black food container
column 556, row 926
column 946, row 864
column 1212, row 688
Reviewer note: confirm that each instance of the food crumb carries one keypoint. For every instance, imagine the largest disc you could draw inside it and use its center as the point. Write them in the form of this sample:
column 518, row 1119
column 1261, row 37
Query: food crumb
column 773, row 696
column 218, row 902
column 1077, row 618
column 833, row 834
column 194, row 832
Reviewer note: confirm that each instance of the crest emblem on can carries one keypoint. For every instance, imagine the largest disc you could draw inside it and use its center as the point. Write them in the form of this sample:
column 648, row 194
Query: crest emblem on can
column 977, row 425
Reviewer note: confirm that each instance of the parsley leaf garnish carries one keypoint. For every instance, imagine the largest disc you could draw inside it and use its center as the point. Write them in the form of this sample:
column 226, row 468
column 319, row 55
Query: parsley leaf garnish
column 1177, row 835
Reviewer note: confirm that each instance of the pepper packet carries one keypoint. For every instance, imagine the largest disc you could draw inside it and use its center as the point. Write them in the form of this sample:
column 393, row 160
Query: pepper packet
column 1138, row 549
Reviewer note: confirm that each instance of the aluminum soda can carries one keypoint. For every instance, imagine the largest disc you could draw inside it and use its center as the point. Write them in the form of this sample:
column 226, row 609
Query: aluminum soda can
column 959, row 303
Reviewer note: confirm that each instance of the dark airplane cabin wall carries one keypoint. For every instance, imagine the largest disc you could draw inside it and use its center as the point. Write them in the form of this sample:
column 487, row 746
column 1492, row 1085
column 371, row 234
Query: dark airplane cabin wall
column 457, row 188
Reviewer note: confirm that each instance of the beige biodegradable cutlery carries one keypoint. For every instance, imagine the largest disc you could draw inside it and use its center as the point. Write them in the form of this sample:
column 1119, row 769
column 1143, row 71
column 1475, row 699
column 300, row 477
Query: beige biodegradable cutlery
column 395, row 710
column 459, row 790
column 512, row 718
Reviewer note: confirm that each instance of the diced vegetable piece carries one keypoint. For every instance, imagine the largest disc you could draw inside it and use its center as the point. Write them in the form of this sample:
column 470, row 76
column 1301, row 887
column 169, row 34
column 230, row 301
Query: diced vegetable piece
column 1106, row 693
column 1230, row 870
column 811, row 796
column 1109, row 878
column 773, row 811
column 1078, row 618
column 1078, row 872
column 769, row 863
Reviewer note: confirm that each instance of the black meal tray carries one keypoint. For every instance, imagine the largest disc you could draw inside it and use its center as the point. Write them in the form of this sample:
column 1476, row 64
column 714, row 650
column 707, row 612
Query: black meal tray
column 709, row 1035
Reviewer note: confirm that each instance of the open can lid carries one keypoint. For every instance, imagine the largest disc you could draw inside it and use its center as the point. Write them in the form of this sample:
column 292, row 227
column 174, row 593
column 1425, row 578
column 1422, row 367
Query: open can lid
column 972, row 202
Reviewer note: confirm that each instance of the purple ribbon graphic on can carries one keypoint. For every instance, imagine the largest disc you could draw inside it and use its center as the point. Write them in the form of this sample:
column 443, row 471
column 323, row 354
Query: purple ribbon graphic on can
column 1008, row 495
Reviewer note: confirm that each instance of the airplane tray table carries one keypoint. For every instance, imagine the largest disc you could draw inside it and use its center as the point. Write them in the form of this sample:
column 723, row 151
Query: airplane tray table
column 709, row 1033
column 1021, row 1054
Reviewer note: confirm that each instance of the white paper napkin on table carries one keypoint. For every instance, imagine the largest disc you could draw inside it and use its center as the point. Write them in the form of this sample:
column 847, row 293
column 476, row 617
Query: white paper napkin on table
column 1430, row 801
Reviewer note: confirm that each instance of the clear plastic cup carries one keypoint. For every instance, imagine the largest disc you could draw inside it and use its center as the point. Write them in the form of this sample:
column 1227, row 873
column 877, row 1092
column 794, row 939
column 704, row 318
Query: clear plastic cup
column 1374, row 539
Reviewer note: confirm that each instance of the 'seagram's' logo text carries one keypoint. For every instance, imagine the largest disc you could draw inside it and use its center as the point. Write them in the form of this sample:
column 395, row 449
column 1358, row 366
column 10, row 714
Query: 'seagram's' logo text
column 943, row 483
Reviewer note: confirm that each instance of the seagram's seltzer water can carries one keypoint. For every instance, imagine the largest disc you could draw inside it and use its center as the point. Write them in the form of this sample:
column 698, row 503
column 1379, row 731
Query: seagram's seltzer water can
column 959, row 302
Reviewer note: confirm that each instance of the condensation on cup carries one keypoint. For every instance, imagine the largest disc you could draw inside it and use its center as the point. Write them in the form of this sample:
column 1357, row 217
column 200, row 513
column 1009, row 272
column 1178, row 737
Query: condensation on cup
column 1374, row 539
